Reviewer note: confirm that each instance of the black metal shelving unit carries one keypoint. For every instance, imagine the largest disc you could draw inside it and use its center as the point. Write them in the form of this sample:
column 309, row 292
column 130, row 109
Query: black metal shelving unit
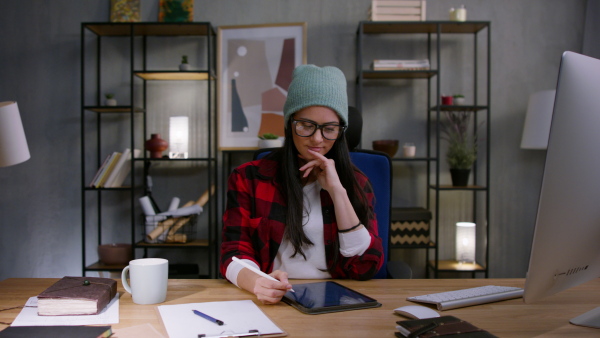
column 92, row 36
column 434, row 33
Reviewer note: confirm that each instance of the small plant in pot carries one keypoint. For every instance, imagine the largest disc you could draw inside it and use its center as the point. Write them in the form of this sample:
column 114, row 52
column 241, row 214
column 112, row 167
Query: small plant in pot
column 269, row 140
column 110, row 99
column 462, row 146
column 459, row 99
column 184, row 63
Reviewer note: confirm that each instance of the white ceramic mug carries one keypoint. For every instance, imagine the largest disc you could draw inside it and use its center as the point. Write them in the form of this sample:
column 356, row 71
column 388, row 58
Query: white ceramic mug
column 148, row 278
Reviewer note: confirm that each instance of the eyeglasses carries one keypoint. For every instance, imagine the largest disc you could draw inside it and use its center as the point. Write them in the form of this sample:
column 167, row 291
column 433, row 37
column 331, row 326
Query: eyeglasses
column 307, row 128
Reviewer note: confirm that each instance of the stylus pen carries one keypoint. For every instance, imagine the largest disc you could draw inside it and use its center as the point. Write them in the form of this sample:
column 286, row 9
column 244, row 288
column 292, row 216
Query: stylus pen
column 256, row 271
column 205, row 316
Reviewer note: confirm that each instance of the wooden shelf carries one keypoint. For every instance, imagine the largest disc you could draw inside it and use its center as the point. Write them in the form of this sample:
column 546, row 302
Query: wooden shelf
column 193, row 244
column 413, row 159
column 459, row 108
column 149, row 29
column 99, row 266
column 451, row 265
column 398, row 74
column 451, row 187
column 173, row 75
column 113, row 109
column 411, row 27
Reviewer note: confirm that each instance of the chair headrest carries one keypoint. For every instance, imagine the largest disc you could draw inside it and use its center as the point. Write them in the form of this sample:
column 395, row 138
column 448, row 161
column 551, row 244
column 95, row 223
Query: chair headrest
column 354, row 131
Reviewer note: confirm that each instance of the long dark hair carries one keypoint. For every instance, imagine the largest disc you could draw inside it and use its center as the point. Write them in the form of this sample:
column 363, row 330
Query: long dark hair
column 290, row 182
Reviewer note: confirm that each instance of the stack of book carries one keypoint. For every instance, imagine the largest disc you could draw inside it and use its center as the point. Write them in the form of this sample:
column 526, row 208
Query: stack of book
column 400, row 64
column 397, row 10
column 114, row 169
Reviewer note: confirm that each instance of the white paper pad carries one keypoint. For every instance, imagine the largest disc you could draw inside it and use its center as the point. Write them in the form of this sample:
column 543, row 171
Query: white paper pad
column 29, row 317
column 239, row 317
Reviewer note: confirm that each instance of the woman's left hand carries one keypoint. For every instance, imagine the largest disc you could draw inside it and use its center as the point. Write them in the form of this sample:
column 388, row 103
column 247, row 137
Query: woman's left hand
column 324, row 169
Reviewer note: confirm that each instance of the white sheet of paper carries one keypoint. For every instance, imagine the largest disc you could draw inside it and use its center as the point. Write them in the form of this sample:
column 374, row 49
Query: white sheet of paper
column 29, row 317
column 239, row 316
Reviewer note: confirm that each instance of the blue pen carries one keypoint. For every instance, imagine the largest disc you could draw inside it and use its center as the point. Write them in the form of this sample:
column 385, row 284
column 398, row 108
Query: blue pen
column 205, row 316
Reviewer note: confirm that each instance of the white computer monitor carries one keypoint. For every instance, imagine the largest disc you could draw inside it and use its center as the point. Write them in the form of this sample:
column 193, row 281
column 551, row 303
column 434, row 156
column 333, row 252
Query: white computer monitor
column 566, row 242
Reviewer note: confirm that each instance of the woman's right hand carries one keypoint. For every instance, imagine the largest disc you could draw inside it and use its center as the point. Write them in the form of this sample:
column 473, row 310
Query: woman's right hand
column 271, row 292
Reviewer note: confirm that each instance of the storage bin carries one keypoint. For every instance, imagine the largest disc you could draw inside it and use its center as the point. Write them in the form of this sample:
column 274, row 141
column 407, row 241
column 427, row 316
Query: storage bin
column 409, row 227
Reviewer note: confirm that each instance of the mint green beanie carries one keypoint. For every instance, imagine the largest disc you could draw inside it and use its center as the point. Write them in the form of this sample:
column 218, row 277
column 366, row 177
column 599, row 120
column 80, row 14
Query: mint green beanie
column 315, row 86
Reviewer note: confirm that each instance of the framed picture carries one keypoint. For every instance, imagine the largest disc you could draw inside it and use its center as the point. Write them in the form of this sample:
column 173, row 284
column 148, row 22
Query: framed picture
column 125, row 10
column 176, row 11
column 255, row 65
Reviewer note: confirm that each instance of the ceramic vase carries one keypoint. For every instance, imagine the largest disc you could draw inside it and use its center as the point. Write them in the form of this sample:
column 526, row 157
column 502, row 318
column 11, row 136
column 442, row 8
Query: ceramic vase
column 111, row 102
column 156, row 145
column 184, row 66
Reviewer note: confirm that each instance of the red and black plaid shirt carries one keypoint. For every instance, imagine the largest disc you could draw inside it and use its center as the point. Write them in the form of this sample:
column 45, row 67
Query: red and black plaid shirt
column 254, row 224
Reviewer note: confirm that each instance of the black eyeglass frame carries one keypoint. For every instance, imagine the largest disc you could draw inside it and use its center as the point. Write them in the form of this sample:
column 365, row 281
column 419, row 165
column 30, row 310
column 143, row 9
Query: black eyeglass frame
column 319, row 126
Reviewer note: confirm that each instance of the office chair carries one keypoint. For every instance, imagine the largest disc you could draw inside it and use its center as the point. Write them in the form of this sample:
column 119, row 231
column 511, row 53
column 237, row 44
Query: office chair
column 378, row 168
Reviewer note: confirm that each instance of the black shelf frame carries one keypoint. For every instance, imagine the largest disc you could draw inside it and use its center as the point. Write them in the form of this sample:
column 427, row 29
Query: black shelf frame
column 436, row 29
column 134, row 32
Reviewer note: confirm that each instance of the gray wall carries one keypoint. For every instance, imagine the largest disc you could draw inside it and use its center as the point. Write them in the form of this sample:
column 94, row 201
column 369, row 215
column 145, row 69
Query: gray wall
column 40, row 200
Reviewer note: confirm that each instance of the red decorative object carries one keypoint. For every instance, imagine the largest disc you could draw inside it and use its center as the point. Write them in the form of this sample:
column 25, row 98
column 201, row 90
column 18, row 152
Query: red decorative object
column 447, row 100
column 156, row 145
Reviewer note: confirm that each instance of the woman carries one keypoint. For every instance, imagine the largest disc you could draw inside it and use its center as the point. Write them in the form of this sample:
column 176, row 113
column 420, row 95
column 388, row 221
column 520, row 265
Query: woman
column 303, row 211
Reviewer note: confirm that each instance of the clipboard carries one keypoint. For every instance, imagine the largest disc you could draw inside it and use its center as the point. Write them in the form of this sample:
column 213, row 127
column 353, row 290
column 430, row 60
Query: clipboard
column 241, row 318
column 326, row 297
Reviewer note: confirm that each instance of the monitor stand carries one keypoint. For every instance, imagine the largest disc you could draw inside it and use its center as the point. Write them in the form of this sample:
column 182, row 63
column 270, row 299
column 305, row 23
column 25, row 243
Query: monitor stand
column 589, row 319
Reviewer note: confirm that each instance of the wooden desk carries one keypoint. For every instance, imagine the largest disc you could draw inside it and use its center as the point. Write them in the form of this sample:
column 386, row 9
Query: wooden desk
column 512, row 318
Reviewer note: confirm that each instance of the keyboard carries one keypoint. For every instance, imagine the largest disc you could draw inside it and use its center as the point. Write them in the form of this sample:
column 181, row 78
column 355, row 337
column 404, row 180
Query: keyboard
column 467, row 297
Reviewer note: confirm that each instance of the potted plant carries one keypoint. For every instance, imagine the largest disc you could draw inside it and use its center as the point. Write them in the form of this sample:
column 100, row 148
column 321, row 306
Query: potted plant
column 269, row 140
column 462, row 146
column 459, row 99
column 184, row 63
column 110, row 100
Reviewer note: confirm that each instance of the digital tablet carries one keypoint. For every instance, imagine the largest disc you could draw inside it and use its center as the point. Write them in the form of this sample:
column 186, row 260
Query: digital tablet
column 325, row 297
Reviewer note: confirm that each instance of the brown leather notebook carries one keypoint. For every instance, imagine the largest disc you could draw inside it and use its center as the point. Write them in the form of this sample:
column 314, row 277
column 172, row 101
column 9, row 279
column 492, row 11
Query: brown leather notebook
column 76, row 296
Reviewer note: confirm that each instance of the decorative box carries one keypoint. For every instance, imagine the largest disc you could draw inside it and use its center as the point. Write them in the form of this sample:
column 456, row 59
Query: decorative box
column 409, row 227
column 397, row 10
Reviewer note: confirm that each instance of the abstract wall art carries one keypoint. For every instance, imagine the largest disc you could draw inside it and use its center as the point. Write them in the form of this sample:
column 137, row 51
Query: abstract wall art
column 255, row 65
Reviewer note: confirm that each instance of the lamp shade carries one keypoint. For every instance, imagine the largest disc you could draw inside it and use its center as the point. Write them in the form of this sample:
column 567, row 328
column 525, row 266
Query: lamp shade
column 13, row 144
column 537, row 121
column 465, row 242
column 178, row 136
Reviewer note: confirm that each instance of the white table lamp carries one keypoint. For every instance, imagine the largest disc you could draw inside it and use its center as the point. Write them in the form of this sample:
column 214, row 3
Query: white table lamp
column 178, row 136
column 13, row 144
column 465, row 242
column 537, row 121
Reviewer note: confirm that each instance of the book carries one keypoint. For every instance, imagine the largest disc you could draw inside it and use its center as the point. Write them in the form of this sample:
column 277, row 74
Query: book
column 56, row 331
column 117, row 167
column 104, row 169
column 111, row 165
column 439, row 326
column 122, row 168
column 100, row 171
column 76, row 296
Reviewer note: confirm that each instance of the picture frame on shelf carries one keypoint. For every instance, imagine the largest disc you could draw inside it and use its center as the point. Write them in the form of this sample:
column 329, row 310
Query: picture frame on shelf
column 125, row 11
column 255, row 65
column 176, row 11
